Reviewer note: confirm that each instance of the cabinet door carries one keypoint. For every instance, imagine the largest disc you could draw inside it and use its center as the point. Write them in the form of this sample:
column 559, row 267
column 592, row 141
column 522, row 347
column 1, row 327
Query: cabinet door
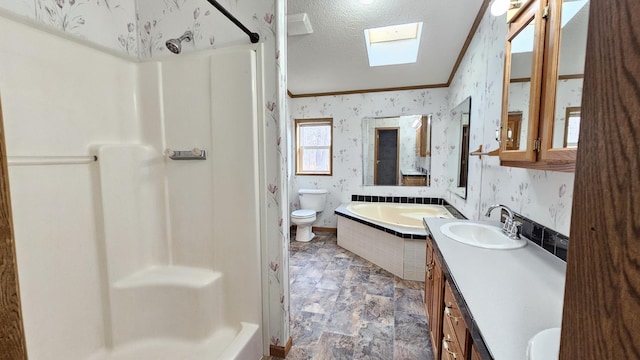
column 428, row 282
column 564, row 72
column 437, row 308
column 475, row 355
column 522, row 84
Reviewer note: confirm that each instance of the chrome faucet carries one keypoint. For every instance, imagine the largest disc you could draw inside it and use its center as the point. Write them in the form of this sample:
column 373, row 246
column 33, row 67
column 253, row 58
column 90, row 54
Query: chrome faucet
column 510, row 226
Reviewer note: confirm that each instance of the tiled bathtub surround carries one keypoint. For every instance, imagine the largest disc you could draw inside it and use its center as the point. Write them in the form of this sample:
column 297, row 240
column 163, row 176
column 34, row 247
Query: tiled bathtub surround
column 382, row 249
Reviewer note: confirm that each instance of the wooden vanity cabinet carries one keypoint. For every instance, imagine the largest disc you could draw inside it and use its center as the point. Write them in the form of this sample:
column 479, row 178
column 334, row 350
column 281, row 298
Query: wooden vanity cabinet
column 449, row 333
column 434, row 298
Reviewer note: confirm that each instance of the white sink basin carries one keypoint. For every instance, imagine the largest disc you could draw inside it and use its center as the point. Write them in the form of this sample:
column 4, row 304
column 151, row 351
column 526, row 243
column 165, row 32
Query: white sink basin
column 480, row 235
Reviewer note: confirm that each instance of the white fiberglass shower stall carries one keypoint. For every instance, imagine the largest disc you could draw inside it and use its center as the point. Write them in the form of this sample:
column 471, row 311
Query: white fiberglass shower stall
column 135, row 256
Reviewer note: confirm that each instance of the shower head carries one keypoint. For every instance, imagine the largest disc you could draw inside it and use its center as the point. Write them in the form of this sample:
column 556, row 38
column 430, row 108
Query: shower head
column 174, row 45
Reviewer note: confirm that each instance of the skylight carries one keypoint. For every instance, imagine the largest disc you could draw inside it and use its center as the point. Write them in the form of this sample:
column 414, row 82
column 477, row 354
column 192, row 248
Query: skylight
column 393, row 45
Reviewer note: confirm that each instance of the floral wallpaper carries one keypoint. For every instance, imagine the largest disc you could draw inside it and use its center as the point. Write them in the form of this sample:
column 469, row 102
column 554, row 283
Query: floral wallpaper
column 139, row 29
column 347, row 112
column 109, row 23
column 544, row 196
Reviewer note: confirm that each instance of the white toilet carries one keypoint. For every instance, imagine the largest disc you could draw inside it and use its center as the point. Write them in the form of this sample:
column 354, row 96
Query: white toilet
column 312, row 201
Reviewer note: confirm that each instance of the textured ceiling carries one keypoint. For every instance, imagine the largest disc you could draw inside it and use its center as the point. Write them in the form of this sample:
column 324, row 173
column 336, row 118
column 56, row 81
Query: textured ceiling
column 334, row 59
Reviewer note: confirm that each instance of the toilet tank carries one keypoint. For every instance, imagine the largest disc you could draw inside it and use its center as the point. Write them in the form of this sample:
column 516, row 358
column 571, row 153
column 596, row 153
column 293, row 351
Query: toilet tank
column 313, row 199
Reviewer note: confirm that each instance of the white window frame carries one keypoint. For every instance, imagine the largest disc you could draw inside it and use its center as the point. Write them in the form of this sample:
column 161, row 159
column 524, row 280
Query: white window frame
column 300, row 149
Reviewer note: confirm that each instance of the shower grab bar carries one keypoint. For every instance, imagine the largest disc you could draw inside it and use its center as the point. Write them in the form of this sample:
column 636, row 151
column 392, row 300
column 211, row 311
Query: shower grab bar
column 50, row 160
column 254, row 37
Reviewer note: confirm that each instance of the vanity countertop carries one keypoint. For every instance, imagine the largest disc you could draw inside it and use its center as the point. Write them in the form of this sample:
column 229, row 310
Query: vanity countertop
column 412, row 172
column 511, row 295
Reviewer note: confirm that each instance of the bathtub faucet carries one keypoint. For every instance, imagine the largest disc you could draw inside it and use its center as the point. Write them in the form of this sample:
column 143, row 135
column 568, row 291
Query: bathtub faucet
column 511, row 228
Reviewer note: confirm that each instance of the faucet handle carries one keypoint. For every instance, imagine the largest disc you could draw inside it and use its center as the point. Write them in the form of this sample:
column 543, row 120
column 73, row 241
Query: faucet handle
column 514, row 230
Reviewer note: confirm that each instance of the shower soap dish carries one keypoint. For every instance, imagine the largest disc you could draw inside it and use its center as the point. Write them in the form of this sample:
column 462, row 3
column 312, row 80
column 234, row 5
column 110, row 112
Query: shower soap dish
column 195, row 154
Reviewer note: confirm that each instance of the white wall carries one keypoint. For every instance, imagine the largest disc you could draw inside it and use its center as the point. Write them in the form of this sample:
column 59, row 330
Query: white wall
column 347, row 112
column 53, row 105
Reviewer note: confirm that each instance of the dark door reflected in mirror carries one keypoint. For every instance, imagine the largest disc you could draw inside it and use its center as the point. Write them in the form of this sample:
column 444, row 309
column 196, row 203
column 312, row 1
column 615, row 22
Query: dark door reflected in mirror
column 386, row 149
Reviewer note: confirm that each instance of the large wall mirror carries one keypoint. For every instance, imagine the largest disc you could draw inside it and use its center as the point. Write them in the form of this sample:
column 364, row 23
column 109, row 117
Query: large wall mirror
column 396, row 150
column 458, row 158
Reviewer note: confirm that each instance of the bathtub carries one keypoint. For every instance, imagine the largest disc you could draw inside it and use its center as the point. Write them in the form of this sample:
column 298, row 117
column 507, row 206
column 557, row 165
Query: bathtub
column 398, row 215
column 390, row 235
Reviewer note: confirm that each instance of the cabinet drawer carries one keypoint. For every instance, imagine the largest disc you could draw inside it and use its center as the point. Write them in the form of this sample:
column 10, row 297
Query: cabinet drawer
column 451, row 349
column 454, row 316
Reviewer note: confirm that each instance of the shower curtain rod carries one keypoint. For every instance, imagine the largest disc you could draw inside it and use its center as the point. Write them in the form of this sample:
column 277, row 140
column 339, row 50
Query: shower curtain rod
column 254, row 37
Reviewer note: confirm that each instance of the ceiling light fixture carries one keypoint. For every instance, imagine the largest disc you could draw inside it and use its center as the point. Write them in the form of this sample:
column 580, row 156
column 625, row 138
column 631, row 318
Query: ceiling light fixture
column 499, row 7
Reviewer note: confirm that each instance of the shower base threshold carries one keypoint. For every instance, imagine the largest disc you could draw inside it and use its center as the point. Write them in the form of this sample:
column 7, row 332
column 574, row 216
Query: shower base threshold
column 224, row 344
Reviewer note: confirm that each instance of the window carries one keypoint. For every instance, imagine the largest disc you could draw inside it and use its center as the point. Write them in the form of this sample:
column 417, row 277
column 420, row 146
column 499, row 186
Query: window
column 314, row 146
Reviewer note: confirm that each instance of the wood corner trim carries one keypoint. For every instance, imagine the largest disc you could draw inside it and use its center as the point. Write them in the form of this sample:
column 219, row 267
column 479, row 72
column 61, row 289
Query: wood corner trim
column 12, row 338
column 366, row 91
column 281, row 351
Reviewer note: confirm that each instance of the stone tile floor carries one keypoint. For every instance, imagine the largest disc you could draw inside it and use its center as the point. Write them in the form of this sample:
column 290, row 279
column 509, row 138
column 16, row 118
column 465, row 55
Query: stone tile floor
column 345, row 307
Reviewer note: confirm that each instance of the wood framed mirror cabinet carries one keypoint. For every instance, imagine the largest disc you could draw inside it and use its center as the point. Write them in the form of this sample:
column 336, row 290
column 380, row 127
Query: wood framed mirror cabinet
column 543, row 75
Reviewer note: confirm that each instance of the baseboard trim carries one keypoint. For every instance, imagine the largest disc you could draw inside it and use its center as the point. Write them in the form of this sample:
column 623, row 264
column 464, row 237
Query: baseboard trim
column 324, row 229
column 281, row 351
column 293, row 228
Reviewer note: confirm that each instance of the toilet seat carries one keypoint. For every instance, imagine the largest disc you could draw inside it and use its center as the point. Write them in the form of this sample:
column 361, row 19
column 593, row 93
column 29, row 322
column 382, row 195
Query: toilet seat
column 544, row 345
column 303, row 214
